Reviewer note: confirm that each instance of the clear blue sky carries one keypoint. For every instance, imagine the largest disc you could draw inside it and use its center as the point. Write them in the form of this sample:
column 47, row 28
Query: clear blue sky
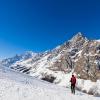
column 39, row 25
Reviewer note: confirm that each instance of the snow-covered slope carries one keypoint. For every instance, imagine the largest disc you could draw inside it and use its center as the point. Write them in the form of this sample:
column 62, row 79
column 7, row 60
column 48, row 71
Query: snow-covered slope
column 15, row 86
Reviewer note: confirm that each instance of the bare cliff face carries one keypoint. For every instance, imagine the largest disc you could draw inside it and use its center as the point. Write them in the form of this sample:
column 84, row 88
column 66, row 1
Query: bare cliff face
column 79, row 55
column 88, row 64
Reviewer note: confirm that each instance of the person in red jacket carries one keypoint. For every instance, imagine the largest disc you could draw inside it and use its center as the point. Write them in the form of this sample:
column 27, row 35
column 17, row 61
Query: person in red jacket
column 73, row 83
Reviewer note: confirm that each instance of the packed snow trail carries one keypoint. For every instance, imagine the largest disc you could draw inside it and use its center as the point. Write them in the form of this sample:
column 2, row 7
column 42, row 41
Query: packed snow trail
column 16, row 86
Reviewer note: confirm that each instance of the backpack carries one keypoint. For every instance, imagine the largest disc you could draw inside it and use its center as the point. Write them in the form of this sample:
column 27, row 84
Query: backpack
column 73, row 80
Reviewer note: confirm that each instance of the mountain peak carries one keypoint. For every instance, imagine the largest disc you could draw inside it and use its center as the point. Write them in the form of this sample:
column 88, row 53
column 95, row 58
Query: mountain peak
column 79, row 36
column 79, row 33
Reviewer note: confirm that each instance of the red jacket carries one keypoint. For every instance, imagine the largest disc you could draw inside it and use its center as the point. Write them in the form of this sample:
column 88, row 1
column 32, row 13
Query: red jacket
column 73, row 80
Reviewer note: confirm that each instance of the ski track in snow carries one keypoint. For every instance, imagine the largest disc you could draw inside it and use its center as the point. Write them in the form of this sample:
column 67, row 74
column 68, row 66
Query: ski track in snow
column 16, row 86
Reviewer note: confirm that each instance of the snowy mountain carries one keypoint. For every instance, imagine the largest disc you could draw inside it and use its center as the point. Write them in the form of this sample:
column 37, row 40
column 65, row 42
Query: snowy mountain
column 79, row 55
column 17, row 86
column 9, row 61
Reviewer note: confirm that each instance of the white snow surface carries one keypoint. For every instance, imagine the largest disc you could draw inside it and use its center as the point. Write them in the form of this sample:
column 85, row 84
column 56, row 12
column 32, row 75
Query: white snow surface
column 98, row 40
column 17, row 86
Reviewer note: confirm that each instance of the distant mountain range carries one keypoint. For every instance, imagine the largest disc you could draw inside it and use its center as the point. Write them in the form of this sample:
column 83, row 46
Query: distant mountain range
column 79, row 55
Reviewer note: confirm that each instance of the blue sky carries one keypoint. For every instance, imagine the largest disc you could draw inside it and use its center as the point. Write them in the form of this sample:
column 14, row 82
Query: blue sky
column 39, row 25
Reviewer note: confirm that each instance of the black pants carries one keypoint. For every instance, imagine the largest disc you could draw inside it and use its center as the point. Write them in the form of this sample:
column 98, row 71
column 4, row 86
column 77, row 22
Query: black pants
column 73, row 88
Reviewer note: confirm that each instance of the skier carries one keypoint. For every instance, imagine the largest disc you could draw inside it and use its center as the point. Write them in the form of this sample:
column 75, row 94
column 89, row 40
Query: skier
column 73, row 83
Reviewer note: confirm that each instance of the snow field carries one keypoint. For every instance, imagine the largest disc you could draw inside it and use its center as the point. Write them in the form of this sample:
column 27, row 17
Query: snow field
column 15, row 86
